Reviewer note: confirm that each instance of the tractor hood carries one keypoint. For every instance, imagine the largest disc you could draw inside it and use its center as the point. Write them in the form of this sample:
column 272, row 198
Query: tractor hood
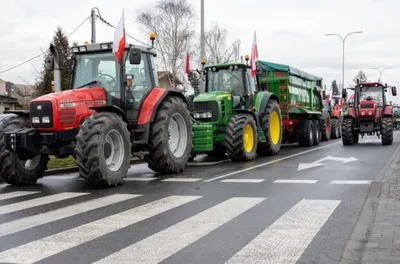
column 213, row 96
column 75, row 96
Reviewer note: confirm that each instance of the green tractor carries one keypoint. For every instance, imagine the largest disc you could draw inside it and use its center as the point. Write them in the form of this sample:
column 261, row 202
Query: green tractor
column 232, row 116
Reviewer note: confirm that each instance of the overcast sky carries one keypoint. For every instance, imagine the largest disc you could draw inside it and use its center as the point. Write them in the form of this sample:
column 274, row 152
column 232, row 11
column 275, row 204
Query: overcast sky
column 289, row 32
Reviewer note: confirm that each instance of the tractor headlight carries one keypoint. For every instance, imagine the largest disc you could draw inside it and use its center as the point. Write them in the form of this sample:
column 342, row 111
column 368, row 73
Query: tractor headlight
column 203, row 115
column 369, row 112
column 35, row 120
column 46, row 120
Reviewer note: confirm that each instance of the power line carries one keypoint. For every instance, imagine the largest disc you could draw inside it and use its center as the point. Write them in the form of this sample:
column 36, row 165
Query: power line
column 37, row 56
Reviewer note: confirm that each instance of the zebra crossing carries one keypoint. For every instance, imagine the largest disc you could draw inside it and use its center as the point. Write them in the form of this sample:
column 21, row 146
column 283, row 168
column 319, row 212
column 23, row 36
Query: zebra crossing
column 284, row 241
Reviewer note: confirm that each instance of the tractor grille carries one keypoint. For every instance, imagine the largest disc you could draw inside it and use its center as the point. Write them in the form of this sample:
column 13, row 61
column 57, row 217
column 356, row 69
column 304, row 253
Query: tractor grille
column 207, row 107
column 40, row 110
column 363, row 106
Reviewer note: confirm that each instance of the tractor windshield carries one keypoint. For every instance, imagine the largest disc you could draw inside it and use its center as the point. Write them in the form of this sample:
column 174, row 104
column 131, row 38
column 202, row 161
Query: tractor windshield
column 374, row 92
column 90, row 69
column 225, row 80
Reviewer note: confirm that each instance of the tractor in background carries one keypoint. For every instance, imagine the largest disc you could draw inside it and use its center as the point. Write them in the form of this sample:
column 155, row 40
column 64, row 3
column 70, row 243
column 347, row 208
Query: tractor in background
column 396, row 117
column 334, row 101
column 368, row 113
column 232, row 116
column 111, row 111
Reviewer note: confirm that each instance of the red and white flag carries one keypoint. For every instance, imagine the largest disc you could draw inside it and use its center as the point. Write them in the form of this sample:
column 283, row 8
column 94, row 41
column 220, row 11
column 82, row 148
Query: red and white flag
column 119, row 39
column 254, row 56
column 187, row 63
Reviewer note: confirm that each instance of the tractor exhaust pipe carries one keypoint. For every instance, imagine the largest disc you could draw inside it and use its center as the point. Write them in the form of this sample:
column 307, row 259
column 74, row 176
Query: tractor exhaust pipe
column 53, row 64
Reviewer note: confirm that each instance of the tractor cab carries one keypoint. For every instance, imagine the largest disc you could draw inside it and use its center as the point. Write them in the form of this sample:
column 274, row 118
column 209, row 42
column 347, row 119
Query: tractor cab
column 234, row 79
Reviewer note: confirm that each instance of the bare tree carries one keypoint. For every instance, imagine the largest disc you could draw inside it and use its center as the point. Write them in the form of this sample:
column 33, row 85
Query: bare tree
column 217, row 48
column 173, row 23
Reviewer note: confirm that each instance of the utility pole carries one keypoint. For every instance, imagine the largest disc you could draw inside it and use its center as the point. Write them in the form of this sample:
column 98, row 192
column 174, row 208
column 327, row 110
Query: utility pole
column 202, row 41
column 343, row 41
column 93, row 21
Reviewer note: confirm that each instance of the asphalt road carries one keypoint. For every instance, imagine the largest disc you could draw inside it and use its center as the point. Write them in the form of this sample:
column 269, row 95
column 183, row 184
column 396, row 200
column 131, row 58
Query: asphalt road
column 265, row 211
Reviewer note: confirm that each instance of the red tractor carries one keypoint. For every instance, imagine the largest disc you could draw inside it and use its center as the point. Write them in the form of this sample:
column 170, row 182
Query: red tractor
column 111, row 111
column 368, row 113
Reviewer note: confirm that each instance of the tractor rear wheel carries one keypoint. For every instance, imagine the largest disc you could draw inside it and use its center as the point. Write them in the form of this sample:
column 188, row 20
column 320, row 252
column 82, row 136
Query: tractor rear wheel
column 305, row 133
column 348, row 132
column 316, row 132
column 387, row 131
column 12, row 169
column 241, row 138
column 103, row 149
column 170, row 139
column 326, row 129
column 271, row 124
column 335, row 128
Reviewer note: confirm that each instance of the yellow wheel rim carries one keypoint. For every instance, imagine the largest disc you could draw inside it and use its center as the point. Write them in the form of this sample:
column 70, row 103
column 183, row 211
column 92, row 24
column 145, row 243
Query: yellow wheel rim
column 274, row 128
column 248, row 138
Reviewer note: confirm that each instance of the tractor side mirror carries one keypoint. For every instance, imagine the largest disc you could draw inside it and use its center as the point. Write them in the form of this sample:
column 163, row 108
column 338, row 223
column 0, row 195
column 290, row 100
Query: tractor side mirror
column 135, row 56
column 394, row 90
column 49, row 63
column 344, row 93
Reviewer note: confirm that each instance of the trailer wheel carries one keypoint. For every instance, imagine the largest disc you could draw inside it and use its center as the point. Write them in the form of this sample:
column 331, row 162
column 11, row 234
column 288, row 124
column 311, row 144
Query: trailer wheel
column 271, row 124
column 316, row 132
column 305, row 133
column 347, row 132
column 170, row 139
column 241, row 138
column 335, row 128
column 13, row 170
column 326, row 129
column 103, row 149
column 387, row 131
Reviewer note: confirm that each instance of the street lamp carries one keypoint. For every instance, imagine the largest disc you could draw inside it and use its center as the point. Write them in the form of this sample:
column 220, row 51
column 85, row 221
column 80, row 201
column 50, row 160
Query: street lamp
column 343, row 41
column 380, row 71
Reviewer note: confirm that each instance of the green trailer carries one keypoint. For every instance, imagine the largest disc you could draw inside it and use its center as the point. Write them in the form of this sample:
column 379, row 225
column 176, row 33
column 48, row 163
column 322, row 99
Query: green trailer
column 305, row 117
column 233, row 117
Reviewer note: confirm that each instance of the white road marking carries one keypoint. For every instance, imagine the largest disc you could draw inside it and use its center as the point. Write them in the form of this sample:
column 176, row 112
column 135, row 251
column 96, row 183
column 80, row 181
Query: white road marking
column 182, row 180
column 244, row 180
column 351, row 182
column 140, row 179
column 46, row 247
column 270, row 162
column 295, row 181
column 14, row 207
column 287, row 238
column 47, row 217
column 182, row 234
column 15, row 194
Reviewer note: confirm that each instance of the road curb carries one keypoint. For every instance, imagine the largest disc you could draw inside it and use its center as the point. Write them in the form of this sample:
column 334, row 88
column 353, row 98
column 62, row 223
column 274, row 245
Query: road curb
column 75, row 169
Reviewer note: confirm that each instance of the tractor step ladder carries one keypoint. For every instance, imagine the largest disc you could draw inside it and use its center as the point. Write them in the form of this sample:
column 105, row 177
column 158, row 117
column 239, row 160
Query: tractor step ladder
column 283, row 98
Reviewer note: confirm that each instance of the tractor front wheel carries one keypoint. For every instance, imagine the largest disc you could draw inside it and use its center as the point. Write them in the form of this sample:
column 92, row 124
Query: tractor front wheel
column 305, row 133
column 271, row 124
column 14, row 170
column 335, row 129
column 103, row 149
column 387, row 131
column 241, row 138
column 170, row 139
column 348, row 132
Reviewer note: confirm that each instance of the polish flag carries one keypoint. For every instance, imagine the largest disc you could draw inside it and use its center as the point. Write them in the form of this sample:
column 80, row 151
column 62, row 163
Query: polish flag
column 187, row 63
column 254, row 56
column 119, row 39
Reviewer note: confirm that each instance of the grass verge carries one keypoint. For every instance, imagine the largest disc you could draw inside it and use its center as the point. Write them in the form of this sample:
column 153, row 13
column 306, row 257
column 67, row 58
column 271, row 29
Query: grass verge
column 55, row 163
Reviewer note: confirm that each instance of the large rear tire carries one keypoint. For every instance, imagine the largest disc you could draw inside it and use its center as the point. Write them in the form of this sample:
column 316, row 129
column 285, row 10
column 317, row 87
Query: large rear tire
column 13, row 170
column 103, row 149
column 335, row 132
column 387, row 131
column 326, row 129
column 271, row 124
column 170, row 139
column 241, row 138
column 347, row 132
column 305, row 133
column 316, row 132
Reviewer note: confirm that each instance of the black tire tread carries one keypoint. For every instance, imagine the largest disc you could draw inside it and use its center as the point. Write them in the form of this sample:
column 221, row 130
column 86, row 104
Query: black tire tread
column 324, row 135
column 160, row 158
column 387, row 131
column 347, row 132
column 303, row 132
column 11, row 170
column 234, row 138
column 334, row 128
column 316, row 136
column 88, row 147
